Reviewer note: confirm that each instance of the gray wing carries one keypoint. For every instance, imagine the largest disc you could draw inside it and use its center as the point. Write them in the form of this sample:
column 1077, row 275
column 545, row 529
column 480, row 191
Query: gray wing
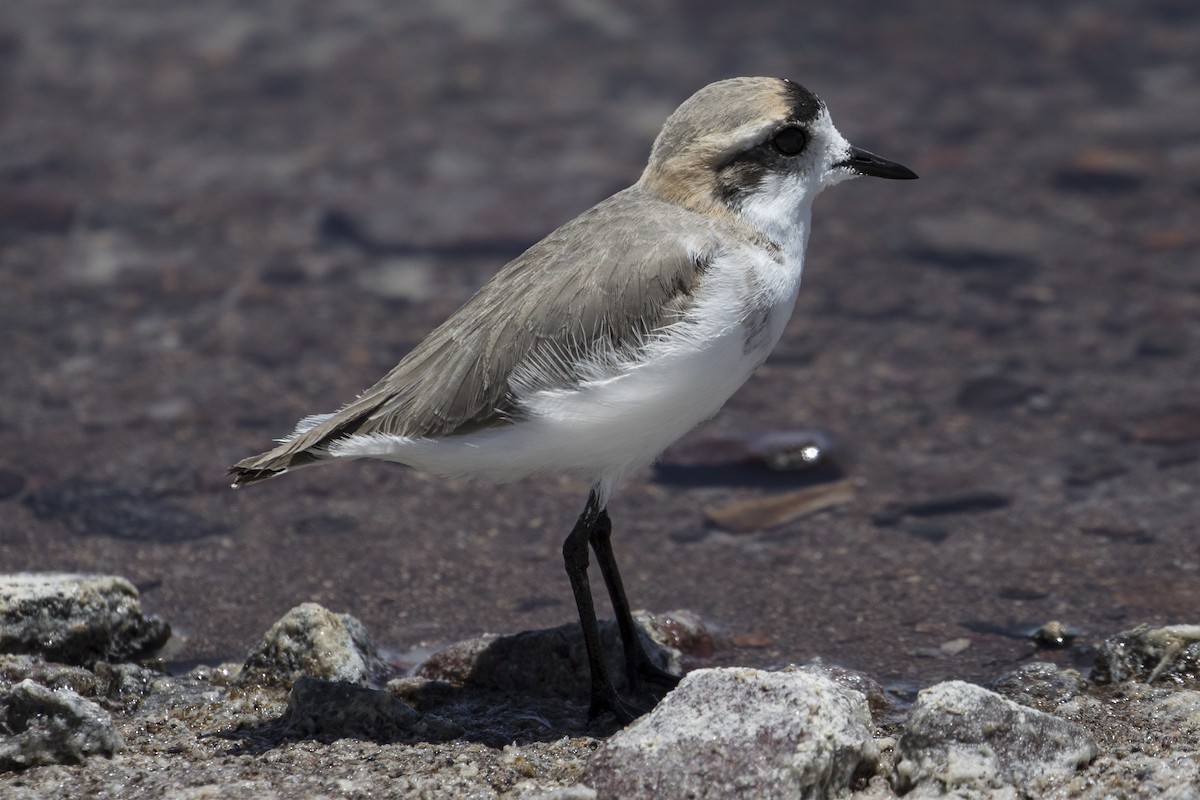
column 602, row 281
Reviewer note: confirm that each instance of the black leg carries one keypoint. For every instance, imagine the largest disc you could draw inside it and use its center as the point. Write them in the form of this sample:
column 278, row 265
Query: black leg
column 638, row 664
column 575, row 557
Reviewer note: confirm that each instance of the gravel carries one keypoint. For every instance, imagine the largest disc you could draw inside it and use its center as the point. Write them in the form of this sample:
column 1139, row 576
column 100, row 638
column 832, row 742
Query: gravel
column 466, row 721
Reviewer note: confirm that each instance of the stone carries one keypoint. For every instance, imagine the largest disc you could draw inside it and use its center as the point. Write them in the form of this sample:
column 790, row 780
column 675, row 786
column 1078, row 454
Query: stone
column 52, row 726
column 962, row 738
column 310, row 640
column 1040, row 683
column 745, row 733
column 16, row 668
column 76, row 619
column 1149, row 654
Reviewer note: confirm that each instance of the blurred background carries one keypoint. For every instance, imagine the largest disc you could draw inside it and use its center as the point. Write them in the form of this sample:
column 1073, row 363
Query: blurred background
column 217, row 217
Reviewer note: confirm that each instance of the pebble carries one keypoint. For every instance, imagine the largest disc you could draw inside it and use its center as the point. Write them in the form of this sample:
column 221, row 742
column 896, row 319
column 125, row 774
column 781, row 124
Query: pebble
column 770, row 511
column 1054, row 635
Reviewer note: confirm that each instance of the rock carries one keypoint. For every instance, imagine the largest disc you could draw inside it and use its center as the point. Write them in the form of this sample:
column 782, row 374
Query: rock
column 334, row 710
column 1179, row 711
column 310, row 640
column 991, row 392
column 14, row 669
column 1038, row 683
column 47, row 726
column 741, row 732
column 969, row 502
column 1173, row 425
column 1148, row 654
column 125, row 686
column 760, row 513
column 959, row 737
column 75, row 619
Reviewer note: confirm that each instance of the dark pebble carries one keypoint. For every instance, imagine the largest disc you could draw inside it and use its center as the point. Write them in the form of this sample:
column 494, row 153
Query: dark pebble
column 1171, row 426
column 1003, row 269
column 1087, row 470
column 930, row 533
column 1020, row 593
column 33, row 213
column 1094, row 181
column 1163, row 343
column 961, row 503
column 325, row 525
column 10, row 483
column 1178, row 456
column 1054, row 635
column 1127, row 534
column 992, row 392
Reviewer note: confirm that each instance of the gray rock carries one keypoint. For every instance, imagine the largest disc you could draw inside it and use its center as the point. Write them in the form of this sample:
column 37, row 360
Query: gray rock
column 75, row 619
column 14, row 669
column 962, row 738
column 330, row 710
column 311, row 640
column 1040, row 684
column 1180, row 712
column 46, row 726
column 741, row 732
column 1149, row 654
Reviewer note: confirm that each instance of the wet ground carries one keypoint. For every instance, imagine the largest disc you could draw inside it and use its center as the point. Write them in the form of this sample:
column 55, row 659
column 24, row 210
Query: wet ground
column 218, row 217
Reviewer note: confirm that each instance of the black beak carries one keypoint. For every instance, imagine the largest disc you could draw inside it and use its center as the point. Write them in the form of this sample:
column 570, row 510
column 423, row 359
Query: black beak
column 865, row 163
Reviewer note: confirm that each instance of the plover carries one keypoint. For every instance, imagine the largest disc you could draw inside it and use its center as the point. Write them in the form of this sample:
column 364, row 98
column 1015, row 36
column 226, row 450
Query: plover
column 606, row 341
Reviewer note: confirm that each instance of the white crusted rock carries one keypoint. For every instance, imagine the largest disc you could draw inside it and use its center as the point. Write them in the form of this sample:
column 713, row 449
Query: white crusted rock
column 311, row 640
column 741, row 733
column 48, row 726
column 75, row 619
column 965, row 739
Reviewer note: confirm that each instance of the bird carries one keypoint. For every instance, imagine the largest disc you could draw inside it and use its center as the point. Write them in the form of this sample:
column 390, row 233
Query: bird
column 616, row 334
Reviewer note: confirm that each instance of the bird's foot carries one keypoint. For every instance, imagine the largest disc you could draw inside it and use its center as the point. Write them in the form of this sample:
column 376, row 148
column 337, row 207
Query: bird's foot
column 649, row 672
column 609, row 701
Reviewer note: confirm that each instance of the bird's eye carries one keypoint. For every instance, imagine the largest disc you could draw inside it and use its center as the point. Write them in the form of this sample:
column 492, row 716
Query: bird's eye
column 790, row 141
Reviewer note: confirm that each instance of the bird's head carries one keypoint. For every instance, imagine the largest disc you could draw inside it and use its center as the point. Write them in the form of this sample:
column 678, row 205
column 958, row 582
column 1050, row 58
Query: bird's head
column 761, row 148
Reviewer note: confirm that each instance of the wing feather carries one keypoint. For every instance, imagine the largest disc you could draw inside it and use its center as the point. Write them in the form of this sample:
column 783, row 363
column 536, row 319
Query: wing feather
column 601, row 283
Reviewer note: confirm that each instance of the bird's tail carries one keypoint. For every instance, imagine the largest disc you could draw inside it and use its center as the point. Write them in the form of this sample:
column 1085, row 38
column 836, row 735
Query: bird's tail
column 307, row 445
column 269, row 464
